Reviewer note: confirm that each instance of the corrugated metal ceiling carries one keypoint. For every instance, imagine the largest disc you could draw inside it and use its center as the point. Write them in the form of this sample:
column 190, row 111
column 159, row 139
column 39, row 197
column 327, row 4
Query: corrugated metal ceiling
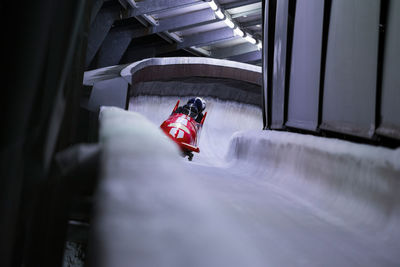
column 164, row 27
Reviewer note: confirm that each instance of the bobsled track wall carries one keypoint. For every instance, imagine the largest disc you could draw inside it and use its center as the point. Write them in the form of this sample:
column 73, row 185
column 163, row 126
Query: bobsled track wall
column 250, row 198
column 274, row 199
column 331, row 67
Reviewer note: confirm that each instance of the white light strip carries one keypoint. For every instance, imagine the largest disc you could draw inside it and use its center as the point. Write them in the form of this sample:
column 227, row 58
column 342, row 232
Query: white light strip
column 213, row 5
column 229, row 23
column 239, row 32
column 219, row 14
column 250, row 39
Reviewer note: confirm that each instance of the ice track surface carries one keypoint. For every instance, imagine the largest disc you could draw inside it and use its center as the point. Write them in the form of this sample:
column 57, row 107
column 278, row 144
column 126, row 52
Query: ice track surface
column 250, row 198
column 223, row 119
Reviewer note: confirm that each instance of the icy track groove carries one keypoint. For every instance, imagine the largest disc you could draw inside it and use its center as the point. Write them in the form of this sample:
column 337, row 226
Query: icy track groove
column 251, row 198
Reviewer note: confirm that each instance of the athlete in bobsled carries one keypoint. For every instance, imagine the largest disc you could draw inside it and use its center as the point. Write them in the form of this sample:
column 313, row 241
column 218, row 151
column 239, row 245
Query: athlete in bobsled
column 194, row 108
column 184, row 125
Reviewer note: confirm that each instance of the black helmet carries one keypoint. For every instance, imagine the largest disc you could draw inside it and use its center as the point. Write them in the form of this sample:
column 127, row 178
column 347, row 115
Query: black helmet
column 198, row 102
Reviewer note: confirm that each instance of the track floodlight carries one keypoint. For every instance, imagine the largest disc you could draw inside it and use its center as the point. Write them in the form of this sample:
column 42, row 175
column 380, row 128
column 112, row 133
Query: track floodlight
column 213, row 5
column 229, row 23
column 219, row 14
column 238, row 32
column 250, row 39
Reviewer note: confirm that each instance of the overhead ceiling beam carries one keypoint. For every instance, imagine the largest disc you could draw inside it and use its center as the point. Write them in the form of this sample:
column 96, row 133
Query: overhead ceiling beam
column 233, row 50
column 110, row 55
column 198, row 51
column 200, row 39
column 128, row 3
column 132, row 3
column 95, row 9
column 155, row 6
column 207, row 38
column 247, row 13
column 251, row 23
column 239, row 4
column 189, row 26
column 99, row 30
column 248, row 57
column 114, row 46
column 185, row 20
column 118, row 39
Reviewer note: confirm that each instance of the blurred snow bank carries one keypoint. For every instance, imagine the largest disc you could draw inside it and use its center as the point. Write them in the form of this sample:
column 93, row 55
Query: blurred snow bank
column 149, row 211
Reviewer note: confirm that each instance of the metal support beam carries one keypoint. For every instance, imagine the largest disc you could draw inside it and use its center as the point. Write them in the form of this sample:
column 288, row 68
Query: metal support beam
column 247, row 13
column 207, row 38
column 251, row 23
column 118, row 39
column 239, row 4
column 95, row 9
column 198, row 24
column 127, row 3
column 132, row 3
column 233, row 50
column 154, row 6
column 248, row 57
column 115, row 45
column 201, row 39
column 186, row 20
column 99, row 30
column 198, row 51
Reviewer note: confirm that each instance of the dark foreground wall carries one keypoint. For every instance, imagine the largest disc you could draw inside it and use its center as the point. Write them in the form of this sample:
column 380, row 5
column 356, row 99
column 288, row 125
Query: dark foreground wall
column 43, row 57
column 331, row 67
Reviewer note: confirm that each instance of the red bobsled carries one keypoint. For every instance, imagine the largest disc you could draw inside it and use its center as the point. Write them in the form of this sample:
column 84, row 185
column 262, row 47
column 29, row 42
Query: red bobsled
column 184, row 131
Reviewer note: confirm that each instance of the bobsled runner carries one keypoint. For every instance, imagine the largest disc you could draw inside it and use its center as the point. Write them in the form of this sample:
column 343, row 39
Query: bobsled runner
column 184, row 130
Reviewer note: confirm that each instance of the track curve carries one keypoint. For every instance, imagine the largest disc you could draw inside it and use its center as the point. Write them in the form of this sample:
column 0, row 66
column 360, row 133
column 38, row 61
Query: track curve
column 250, row 198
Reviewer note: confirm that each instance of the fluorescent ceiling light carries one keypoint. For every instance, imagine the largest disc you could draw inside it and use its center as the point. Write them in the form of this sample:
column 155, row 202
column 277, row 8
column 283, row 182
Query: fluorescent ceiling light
column 213, row 5
column 239, row 32
column 250, row 39
column 229, row 23
column 219, row 14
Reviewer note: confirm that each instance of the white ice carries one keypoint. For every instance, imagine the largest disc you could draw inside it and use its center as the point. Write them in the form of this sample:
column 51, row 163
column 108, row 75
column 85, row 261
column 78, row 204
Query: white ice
column 250, row 198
